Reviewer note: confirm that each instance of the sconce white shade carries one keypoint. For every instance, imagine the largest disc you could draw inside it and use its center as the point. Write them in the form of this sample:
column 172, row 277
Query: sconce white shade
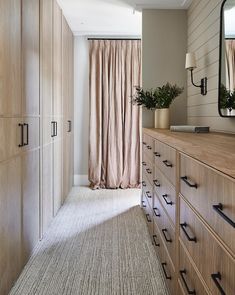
column 190, row 63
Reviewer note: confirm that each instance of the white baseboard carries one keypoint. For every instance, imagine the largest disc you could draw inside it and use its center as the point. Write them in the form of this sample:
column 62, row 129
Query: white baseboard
column 81, row 180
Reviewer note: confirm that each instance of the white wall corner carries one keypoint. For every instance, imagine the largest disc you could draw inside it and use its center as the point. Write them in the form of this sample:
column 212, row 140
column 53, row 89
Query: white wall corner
column 81, row 180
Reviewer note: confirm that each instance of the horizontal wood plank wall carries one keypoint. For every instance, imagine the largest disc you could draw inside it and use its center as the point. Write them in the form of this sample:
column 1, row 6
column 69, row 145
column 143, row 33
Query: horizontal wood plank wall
column 203, row 39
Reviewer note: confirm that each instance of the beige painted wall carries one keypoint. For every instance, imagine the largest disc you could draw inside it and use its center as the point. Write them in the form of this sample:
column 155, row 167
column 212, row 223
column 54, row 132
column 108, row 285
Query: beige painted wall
column 164, row 49
column 203, row 38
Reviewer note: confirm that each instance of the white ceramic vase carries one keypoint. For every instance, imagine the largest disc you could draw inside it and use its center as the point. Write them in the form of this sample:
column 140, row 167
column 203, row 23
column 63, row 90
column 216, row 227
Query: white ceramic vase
column 162, row 119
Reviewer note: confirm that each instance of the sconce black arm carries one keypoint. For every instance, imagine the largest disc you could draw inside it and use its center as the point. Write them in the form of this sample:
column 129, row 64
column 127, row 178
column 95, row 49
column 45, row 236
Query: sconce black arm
column 203, row 85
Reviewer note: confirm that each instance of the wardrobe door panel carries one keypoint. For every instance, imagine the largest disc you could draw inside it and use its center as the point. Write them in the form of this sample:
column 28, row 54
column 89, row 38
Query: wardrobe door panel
column 47, row 57
column 57, row 54
column 47, row 186
column 30, row 57
column 10, row 53
column 58, row 175
column 30, row 189
column 10, row 223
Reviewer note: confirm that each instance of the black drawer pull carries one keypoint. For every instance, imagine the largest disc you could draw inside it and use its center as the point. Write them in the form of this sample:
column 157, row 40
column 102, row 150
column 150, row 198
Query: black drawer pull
column 149, row 147
column 182, row 273
column 156, row 183
column 143, row 204
column 183, row 226
column 70, row 126
column 155, row 242
column 144, row 143
column 164, row 270
column 27, row 134
column 216, row 277
column 164, row 231
column 144, row 164
column 148, row 194
column 165, row 199
column 149, row 171
column 156, row 212
column 167, row 163
column 157, row 154
column 219, row 209
column 144, row 184
column 148, row 218
column 185, row 179
column 21, row 135
column 52, row 128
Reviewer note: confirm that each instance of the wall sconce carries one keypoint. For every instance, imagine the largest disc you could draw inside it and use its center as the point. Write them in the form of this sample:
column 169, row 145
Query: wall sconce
column 190, row 65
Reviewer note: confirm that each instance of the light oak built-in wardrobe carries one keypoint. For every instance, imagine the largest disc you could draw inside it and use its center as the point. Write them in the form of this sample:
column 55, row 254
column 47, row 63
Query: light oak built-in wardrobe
column 36, row 134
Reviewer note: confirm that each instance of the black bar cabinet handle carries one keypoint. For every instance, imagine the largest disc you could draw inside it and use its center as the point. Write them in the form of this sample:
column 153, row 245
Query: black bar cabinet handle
column 157, row 154
column 183, row 226
column 52, row 128
column 164, row 270
column 216, row 277
column 144, row 164
column 185, row 179
column 156, row 183
column 164, row 231
column 149, row 147
column 219, row 209
column 155, row 241
column 149, row 171
column 56, row 128
column 156, row 212
column 143, row 204
column 70, row 125
column 148, row 218
column 144, row 184
column 182, row 273
column 148, row 194
column 165, row 199
column 22, row 135
column 167, row 163
column 27, row 134
column 144, row 143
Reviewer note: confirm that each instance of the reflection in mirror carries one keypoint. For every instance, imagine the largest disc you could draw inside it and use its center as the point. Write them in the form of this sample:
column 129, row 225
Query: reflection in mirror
column 227, row 60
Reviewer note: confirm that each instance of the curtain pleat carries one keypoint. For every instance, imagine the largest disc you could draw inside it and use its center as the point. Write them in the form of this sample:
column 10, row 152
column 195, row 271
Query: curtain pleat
column 114, row 141
column 230, row 64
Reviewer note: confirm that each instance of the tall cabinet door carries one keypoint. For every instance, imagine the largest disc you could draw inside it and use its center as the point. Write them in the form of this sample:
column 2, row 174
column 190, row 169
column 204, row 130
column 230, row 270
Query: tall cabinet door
column 10, row 58
column 46, row 86
column 31, row 120
column 57, row 108
column 10, row 139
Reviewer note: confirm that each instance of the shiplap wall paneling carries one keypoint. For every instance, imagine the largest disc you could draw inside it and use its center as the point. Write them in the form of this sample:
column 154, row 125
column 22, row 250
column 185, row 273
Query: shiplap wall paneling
column 203, row 39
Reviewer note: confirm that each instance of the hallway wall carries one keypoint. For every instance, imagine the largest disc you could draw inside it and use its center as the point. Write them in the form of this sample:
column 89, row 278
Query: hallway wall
column 164, row 49
column 81, row 110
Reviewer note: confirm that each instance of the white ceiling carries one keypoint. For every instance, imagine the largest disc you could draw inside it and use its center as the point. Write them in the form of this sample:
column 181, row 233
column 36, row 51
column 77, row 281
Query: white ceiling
column 112, row 17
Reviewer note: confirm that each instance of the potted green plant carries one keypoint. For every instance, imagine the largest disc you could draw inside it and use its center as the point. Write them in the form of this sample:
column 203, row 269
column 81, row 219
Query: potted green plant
column 159, row 100
column 227, row 100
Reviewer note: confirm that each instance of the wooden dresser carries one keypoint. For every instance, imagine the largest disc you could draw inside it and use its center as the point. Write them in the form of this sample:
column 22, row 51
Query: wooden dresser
column 188, row 198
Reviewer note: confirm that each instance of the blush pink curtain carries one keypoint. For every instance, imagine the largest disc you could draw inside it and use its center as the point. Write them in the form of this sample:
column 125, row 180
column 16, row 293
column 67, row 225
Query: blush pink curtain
column 230, row 64
column 115, row 124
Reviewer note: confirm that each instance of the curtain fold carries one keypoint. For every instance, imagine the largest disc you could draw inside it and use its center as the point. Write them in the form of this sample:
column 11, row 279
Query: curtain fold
column 115, row 124
column 230, row 64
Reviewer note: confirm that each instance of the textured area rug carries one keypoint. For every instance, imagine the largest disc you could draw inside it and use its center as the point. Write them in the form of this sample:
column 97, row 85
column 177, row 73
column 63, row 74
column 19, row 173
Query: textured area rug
column 98, row 244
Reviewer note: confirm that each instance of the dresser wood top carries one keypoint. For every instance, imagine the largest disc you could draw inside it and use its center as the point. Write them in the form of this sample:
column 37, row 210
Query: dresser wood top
column 216, row 150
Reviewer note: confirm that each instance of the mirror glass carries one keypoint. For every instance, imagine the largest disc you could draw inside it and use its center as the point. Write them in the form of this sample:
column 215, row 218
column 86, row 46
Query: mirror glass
column 227, row 60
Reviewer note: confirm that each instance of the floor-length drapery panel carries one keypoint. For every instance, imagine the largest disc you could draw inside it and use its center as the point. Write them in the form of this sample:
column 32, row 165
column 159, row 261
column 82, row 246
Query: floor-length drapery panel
column 114, row 142
column 230, row 64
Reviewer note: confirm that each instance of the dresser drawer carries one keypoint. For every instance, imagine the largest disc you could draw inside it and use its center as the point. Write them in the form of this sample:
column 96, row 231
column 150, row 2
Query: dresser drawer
column 148, row 213
column 168, row 271
column 165, row 160
column 212, row 195
column 213, row 262
column 148, row 146
column 166, row 193
column 189, row 279
column 147, row 168
column 165, row 228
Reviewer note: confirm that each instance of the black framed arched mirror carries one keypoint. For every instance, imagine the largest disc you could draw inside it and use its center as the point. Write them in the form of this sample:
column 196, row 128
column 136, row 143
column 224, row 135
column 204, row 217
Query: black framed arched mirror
column 227, row 60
